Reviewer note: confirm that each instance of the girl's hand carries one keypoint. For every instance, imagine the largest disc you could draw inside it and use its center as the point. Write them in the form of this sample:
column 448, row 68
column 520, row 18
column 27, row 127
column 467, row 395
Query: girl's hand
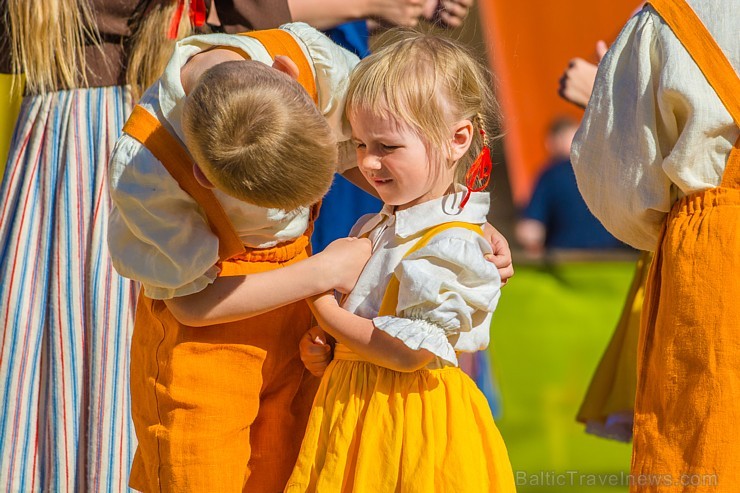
column 315, row 351
column 344, row 260
column 501, row 256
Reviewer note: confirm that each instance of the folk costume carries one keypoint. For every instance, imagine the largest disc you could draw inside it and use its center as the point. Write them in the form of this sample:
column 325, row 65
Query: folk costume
column 218, row 408
column 374, row 429
column 674, row 162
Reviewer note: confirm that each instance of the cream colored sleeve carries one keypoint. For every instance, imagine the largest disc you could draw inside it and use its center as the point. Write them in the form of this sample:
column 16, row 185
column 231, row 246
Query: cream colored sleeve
column 447, row 294
column 654, row 131
column 156, row 233
column 332, row 64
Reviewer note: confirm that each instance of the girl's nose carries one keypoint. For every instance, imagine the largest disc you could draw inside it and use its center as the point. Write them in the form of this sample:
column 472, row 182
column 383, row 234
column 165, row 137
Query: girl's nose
column 369, row 161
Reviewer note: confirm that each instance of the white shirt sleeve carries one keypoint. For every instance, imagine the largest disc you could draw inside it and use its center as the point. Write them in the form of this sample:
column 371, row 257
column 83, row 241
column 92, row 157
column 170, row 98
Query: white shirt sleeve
column 157, row 234
column 332, row 64
column 447, row 293
column 654, row 130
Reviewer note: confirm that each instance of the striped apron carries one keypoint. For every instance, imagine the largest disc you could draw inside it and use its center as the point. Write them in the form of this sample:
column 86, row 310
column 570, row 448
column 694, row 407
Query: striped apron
column 66, row 316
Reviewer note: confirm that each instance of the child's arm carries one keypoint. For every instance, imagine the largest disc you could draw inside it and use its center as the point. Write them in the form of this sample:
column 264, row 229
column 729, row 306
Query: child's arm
column 447, row 293
column 360, row 335
column 229, row 299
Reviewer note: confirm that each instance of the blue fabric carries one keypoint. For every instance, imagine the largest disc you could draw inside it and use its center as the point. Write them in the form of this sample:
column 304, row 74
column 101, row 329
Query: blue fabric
column 486, row 382
column 353, row 36
column 345, row 203
column 557, row 203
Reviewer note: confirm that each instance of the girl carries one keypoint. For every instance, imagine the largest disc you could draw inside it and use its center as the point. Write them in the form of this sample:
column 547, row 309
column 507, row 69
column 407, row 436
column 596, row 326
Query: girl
column 394, row 412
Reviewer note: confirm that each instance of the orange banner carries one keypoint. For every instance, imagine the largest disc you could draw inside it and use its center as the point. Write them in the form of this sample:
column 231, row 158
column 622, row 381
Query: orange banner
column 530, row 45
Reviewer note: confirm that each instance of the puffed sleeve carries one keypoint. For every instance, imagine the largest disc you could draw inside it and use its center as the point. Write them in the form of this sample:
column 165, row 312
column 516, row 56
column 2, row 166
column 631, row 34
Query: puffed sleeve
column 447, row 292
column 156, row 233
column 332, row 64
column 617, row 154
column 238, row 16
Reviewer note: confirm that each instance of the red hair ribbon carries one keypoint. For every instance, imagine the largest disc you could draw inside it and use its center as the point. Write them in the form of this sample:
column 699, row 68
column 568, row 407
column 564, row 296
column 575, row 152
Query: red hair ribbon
column 197, row 14
column 479, row 172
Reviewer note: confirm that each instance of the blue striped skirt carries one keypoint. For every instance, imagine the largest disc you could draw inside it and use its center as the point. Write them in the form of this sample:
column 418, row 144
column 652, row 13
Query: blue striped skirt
column 65, row 315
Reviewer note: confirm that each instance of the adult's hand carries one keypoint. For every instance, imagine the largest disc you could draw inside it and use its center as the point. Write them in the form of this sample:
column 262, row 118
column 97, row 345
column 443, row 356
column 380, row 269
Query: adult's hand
column 577, row 81
column 449, row 13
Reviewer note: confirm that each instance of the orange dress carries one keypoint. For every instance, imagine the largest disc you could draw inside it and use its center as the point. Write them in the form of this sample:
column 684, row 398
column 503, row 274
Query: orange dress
column 687, row 409
column 224, row 407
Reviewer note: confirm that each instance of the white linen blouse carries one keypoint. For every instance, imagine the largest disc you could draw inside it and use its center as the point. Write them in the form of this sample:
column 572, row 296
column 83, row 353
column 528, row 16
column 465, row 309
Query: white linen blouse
column 157, row 233
column 654, row 129
column 447, row 289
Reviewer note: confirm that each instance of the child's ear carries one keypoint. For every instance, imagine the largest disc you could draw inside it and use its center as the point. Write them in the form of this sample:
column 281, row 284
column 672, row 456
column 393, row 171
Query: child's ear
column 462, row 137
column 201, row 178
column 286, row 65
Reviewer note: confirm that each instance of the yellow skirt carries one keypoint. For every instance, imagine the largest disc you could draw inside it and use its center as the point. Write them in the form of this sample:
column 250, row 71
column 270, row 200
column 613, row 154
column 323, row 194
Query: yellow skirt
column 608, row 407
column 375, row 429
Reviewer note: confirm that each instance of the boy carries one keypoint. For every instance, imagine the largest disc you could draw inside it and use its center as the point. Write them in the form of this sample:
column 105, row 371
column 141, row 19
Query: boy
column 219, row 394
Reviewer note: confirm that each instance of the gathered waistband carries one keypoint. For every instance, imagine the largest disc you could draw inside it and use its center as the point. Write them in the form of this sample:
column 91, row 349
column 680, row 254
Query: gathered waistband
column 343, row 353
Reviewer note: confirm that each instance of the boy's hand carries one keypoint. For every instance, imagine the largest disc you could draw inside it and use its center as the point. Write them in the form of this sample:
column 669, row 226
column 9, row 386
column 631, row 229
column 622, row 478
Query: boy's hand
column 315, row 351
column 344, row 260
column 501, row 256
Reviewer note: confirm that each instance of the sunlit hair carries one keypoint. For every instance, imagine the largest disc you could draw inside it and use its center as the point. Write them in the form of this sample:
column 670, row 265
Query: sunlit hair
column 48, row 40
column 258, row 136
column 149, row 47
column 428, row 82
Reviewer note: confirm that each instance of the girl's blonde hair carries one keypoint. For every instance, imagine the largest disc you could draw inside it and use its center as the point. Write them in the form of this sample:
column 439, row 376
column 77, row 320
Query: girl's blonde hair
column 428, row 82
column 258, row 136
column 49, row 38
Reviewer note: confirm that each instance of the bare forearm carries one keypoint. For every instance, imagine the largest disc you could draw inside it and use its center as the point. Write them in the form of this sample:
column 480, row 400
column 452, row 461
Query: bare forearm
column 235, row 298
column 360, row 335
column 325, row 14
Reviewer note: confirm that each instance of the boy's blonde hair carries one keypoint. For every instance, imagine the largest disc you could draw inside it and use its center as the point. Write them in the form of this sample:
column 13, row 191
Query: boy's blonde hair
column 257, row 135
column 427, row 82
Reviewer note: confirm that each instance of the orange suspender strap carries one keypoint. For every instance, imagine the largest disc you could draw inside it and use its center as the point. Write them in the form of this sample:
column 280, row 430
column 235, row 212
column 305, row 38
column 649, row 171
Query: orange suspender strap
column 280, row 42
column 390, row 298
column 708, row 56
column 147, row 130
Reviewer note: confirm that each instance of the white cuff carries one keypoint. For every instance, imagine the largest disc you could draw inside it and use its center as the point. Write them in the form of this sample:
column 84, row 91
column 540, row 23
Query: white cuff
column 418, row 334
column 196, row 286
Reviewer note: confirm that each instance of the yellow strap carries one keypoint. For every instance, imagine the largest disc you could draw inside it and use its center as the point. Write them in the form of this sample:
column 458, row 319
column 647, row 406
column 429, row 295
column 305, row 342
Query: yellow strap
column 708, row 56
column 280, row 42
column 146, row 129
column 390, row 298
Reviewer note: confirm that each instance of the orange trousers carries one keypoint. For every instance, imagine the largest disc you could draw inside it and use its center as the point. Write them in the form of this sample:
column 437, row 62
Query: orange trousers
column 687, row 409
column 220, row 408
column 686, row 432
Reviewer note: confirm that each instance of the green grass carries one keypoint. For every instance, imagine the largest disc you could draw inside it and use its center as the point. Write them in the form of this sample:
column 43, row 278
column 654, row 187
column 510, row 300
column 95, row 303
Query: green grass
column 549, row 332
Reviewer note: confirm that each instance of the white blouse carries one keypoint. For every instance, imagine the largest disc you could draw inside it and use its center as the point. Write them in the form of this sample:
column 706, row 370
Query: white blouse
column 654, row 130
column 447, row 289
column 157, row 232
